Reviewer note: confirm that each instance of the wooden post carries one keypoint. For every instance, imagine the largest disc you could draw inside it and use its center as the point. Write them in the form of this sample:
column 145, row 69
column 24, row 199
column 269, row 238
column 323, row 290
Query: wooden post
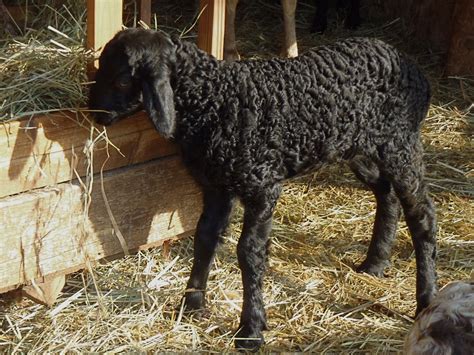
column 461, row 51
column 145, row 11
column 46, row 292
column 104, row 20
column 211, row 27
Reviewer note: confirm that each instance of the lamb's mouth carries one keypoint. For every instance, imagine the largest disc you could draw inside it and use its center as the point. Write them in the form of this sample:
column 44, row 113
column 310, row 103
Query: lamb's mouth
column 106, row 118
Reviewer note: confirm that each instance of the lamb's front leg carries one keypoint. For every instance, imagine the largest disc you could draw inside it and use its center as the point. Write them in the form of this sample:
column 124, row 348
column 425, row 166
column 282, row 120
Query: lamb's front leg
column 252, row 251
column 212, row 224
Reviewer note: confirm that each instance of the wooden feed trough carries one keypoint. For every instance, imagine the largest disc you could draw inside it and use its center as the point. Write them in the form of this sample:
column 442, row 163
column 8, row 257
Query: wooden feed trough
column 62, row 208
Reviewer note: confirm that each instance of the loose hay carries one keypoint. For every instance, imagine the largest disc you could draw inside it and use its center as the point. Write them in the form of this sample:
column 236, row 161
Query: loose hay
column 44, row 69
column 314, row 300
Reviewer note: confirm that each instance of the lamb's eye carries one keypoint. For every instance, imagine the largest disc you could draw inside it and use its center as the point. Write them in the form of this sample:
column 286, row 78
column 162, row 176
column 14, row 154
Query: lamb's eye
column 123, row 82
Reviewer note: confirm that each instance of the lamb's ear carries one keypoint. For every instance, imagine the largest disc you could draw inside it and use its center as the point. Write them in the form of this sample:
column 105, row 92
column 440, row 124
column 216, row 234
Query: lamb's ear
column 158, row 101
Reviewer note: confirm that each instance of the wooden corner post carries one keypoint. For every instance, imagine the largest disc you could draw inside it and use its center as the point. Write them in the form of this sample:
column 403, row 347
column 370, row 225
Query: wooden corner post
column 145, row 11
column 461, row 51
column 104, row 20
column 211, row 27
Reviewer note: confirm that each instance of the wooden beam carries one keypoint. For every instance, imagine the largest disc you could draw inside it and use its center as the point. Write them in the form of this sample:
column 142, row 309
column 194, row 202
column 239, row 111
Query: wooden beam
column 51, row 149
column 45, row 292
column 7, row 20
column 55, row 230
column 104, row 20
column 211, row 27
column 145, row 11
column 461, row 51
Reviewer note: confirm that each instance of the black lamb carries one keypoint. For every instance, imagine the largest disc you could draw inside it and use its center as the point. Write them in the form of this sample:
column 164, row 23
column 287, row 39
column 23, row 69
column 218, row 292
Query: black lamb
column 247, row 126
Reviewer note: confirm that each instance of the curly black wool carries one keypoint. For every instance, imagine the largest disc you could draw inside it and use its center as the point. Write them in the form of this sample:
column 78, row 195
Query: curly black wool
column 244, row 127
column 254, row 123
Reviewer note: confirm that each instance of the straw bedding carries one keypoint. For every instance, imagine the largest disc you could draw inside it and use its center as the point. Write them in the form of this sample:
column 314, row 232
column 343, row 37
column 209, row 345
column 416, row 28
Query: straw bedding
column 315, row 302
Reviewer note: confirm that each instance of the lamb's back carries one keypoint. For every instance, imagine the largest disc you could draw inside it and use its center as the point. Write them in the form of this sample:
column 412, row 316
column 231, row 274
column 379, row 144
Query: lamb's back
column 277, row 117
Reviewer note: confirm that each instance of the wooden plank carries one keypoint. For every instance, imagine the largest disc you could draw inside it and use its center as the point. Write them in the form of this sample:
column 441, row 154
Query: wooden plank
column 461, row 51
column 51, row 231
column 7, row 21
column 211, row 27
column 48, row 149
column 45, row 292
column 104, row 20
column 429, row 20
column 17, row 13
column 145, row 11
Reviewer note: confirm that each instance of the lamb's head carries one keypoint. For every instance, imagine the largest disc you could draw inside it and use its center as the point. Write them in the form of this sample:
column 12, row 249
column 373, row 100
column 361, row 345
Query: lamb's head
column 134, row 73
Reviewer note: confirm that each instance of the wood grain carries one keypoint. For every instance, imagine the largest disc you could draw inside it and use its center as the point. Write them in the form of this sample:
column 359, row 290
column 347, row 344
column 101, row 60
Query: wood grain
column 51, row 231
column 104, row 20
column 461, row 51
column 51, row 149
column 45, row 292
column 145, row 11
column 211, row 27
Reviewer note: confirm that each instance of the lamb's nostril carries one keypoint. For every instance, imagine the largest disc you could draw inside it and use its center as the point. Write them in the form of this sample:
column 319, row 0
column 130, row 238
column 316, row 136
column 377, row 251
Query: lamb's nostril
column 103, row 118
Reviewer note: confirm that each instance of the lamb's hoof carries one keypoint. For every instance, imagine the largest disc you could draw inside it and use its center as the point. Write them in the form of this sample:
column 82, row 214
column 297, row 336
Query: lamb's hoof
column 194, row 301
column 420, row 308
column 424, row 300
column 248, row 340
column 371, row 268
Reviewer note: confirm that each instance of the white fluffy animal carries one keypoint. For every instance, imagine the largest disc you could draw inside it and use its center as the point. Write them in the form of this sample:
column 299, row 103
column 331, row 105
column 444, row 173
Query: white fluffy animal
column 446, row 326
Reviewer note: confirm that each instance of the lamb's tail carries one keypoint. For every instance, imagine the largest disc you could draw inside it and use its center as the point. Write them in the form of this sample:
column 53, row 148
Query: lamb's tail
column 419, row 92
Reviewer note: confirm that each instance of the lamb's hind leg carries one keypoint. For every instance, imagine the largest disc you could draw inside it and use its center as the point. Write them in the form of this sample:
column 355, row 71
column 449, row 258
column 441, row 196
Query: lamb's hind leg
column 405, row 169
column 212, row 223
column 386, row 216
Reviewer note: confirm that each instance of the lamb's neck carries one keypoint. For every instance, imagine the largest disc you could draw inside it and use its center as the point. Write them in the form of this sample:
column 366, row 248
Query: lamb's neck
column 193, row 83
column 194, row 67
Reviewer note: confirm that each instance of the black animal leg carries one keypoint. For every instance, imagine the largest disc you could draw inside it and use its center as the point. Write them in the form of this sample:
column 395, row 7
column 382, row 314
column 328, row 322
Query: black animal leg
column 212, row 224
column 386, row 216
column 406, row 174
column 252, row 251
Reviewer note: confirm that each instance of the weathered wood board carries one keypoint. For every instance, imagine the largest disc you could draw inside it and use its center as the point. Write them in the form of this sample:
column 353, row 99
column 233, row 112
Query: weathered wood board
column 461, row 51
column 211, row 27
column 145, row 11
column 50, row 149
column 55, row 230
column 445, row 25
column 104, row 20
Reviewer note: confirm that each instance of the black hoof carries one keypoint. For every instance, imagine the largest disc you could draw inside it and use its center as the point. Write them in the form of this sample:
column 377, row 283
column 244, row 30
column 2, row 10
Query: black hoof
column 194, row 301
column 372, row 268
column 248, row 341
column 424, row 301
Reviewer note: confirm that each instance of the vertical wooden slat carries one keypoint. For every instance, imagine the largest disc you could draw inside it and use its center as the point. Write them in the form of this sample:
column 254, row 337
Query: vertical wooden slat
column 145, row 11
column 461, row 51
column 104, row 20
column 211, row 27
